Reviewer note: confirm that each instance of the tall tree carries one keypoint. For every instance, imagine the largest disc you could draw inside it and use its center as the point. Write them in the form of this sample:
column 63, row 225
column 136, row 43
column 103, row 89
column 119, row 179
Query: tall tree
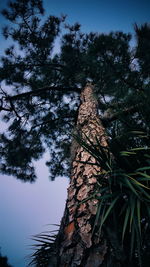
column 40, row 94
column 106, row 219
column 41, row 103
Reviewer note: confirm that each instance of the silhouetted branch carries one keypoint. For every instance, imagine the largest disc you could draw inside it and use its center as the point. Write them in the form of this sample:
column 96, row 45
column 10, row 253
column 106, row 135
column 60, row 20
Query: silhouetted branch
column 13, row 108
column 42, row 90
column 55, row 66
column 3, row 108
column 106, row 119
column 2, row 100
column 52, row 121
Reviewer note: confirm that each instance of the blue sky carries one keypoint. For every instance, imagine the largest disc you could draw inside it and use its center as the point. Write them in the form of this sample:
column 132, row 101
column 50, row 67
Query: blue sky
column 25, row 209
column 102, row 15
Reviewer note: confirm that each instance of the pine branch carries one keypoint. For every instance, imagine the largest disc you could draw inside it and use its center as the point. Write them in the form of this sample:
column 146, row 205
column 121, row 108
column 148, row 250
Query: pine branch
column 13, row 108
column 106, row 119
column 43, row 90
column 55, row 66
column 119, row 74
column 52, row 121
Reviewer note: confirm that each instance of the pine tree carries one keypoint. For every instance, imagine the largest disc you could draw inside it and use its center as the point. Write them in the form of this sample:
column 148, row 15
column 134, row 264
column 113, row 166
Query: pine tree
column 40, row 95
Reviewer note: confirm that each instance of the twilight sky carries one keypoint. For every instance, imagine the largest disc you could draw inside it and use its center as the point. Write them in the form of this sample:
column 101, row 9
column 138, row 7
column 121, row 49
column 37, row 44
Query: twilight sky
column 26, row 209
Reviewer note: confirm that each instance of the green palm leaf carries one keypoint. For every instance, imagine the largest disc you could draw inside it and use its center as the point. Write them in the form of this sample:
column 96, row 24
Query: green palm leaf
column 125, row 221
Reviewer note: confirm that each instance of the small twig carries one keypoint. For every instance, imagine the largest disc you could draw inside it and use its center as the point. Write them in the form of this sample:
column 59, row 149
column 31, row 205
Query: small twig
column 13, row 108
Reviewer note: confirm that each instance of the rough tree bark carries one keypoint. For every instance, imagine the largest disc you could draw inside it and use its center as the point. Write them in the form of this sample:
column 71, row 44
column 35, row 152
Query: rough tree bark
column 76, row 245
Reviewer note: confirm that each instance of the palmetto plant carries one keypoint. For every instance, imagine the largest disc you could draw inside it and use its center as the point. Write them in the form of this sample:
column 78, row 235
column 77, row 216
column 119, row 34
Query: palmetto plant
column 44, row 248
column 124, row 195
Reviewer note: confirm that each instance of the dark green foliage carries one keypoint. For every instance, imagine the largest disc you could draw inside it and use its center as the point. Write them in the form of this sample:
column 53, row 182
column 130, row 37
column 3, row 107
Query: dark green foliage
column 44, row 118
column 124, row 202
column 143, row 48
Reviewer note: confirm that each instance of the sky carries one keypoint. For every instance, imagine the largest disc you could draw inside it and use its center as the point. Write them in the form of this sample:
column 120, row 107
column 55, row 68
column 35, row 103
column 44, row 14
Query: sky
column 28, row 209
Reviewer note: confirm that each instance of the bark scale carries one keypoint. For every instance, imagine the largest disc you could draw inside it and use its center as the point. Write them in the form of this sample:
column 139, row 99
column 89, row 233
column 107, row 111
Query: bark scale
column 76, row 244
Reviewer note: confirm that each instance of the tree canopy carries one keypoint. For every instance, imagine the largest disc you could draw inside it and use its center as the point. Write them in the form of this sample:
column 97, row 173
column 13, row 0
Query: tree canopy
column 40, row 86
column 40, row 93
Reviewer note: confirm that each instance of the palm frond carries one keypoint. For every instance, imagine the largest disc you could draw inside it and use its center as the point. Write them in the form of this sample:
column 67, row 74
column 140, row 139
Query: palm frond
column 125, row 191
column 45, row 250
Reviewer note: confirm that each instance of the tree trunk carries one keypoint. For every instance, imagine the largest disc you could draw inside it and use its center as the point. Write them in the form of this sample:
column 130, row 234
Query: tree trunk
column 76, row 244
